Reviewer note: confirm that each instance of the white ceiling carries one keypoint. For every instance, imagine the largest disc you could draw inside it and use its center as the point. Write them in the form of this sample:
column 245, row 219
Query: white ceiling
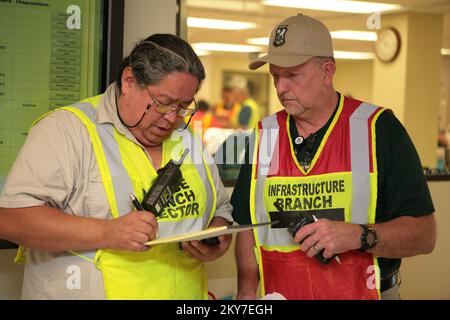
column 267, row 16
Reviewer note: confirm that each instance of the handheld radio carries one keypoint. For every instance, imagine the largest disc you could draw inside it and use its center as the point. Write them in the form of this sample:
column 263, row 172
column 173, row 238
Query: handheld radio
column 165, row 185
column 298, row 221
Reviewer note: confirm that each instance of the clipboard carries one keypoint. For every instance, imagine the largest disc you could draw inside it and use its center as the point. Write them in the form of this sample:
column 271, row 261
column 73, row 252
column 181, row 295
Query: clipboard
column 208, row 233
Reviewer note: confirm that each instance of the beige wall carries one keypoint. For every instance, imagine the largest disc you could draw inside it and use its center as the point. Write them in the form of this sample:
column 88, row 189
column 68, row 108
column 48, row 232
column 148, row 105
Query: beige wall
column 444, row 103
column 428, row 276
column 145, row 17
column 389, row 78
column 422, row 84
column 355, row 77
column 445, row 78
column 410, row 84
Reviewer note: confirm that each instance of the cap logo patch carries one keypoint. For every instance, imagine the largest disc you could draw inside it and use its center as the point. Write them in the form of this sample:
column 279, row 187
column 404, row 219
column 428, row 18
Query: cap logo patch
column 280, row 36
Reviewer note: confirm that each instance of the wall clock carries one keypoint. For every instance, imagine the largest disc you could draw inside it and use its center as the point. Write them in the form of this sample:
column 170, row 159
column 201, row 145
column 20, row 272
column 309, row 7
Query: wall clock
column 387, row 45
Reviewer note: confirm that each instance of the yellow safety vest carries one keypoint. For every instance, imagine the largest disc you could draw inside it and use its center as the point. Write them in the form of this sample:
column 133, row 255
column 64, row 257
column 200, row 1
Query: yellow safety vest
column 164, row 271
column 254, row 118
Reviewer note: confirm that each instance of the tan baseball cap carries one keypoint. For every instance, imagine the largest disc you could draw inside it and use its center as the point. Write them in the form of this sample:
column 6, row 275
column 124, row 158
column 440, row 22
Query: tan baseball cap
column 296, row 40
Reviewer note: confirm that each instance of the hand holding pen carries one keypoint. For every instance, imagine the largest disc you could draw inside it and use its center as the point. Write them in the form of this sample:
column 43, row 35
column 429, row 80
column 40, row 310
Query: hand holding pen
column 138, row 206
column 135, row 202
column 130, row 231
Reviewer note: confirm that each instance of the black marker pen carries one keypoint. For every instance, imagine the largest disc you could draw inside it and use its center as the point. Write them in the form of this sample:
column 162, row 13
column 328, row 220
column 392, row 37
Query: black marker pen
column 135, row 202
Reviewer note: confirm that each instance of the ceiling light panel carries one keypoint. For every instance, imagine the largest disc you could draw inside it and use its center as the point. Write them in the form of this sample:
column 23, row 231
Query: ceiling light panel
column 218, row 24
column 362, row 7
column 202, row 53
column 225, row 5
column 214, row 46
column 354, row 35
column 263, row 41
column 353, row 55
column 340, row 34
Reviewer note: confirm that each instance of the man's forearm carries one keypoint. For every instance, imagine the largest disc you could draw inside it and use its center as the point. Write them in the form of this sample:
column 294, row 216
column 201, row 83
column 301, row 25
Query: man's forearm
column 405, row 236
column 247, row 267
column 219, row 221
column 49, row 229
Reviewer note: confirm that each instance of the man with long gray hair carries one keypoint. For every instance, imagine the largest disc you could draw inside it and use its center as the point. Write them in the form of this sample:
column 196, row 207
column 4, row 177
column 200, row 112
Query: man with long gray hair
column 66, row 198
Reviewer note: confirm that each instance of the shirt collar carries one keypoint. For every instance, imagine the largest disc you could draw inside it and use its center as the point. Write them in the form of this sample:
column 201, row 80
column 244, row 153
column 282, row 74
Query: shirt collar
column 107, row 109
column 321, row 131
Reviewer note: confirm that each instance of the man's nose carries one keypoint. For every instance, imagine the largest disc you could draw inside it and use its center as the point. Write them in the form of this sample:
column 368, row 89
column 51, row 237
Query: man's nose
column 172, row 116
column 281, row 86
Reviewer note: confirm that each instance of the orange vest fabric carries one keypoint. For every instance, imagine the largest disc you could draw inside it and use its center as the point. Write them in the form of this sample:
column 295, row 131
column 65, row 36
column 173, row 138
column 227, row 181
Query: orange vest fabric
column 221, row 112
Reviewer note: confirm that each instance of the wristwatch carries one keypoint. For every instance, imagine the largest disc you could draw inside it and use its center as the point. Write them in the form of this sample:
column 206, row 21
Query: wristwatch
column 368, row 238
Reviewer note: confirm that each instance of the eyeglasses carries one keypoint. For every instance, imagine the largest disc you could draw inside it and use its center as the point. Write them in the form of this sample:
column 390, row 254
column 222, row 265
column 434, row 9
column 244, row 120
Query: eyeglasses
column 182, row 111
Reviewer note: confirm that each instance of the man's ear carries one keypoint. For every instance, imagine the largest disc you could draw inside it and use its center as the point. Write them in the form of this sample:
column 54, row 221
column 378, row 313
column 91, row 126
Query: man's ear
column 128, row 80
column 329, row 68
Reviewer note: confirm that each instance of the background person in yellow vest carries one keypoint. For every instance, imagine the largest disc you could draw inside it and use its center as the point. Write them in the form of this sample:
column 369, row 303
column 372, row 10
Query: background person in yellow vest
column 66, row 195
column 246, row 111
column 349, row 163
column 224, row 111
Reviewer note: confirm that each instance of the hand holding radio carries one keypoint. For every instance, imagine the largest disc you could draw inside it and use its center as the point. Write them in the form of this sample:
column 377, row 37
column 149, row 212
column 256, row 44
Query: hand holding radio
column 297, row 223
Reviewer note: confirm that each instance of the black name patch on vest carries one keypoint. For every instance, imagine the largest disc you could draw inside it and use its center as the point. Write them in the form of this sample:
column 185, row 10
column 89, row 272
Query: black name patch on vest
column 286, row 217
column 182, row 204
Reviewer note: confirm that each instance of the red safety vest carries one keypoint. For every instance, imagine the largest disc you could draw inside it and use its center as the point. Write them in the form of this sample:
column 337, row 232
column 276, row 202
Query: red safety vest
column 340, row 184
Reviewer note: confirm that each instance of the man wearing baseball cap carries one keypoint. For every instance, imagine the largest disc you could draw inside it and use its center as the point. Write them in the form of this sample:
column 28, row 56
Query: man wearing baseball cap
column 339, row 179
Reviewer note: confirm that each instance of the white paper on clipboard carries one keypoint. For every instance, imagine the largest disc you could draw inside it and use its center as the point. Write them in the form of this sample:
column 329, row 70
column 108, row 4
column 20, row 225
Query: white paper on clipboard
column 208, row 233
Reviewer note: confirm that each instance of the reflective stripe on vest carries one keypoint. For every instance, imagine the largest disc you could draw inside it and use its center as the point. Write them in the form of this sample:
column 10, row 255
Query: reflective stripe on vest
column 359, row 152
column 360, row 173
column 268, row 146
column 110, row 150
